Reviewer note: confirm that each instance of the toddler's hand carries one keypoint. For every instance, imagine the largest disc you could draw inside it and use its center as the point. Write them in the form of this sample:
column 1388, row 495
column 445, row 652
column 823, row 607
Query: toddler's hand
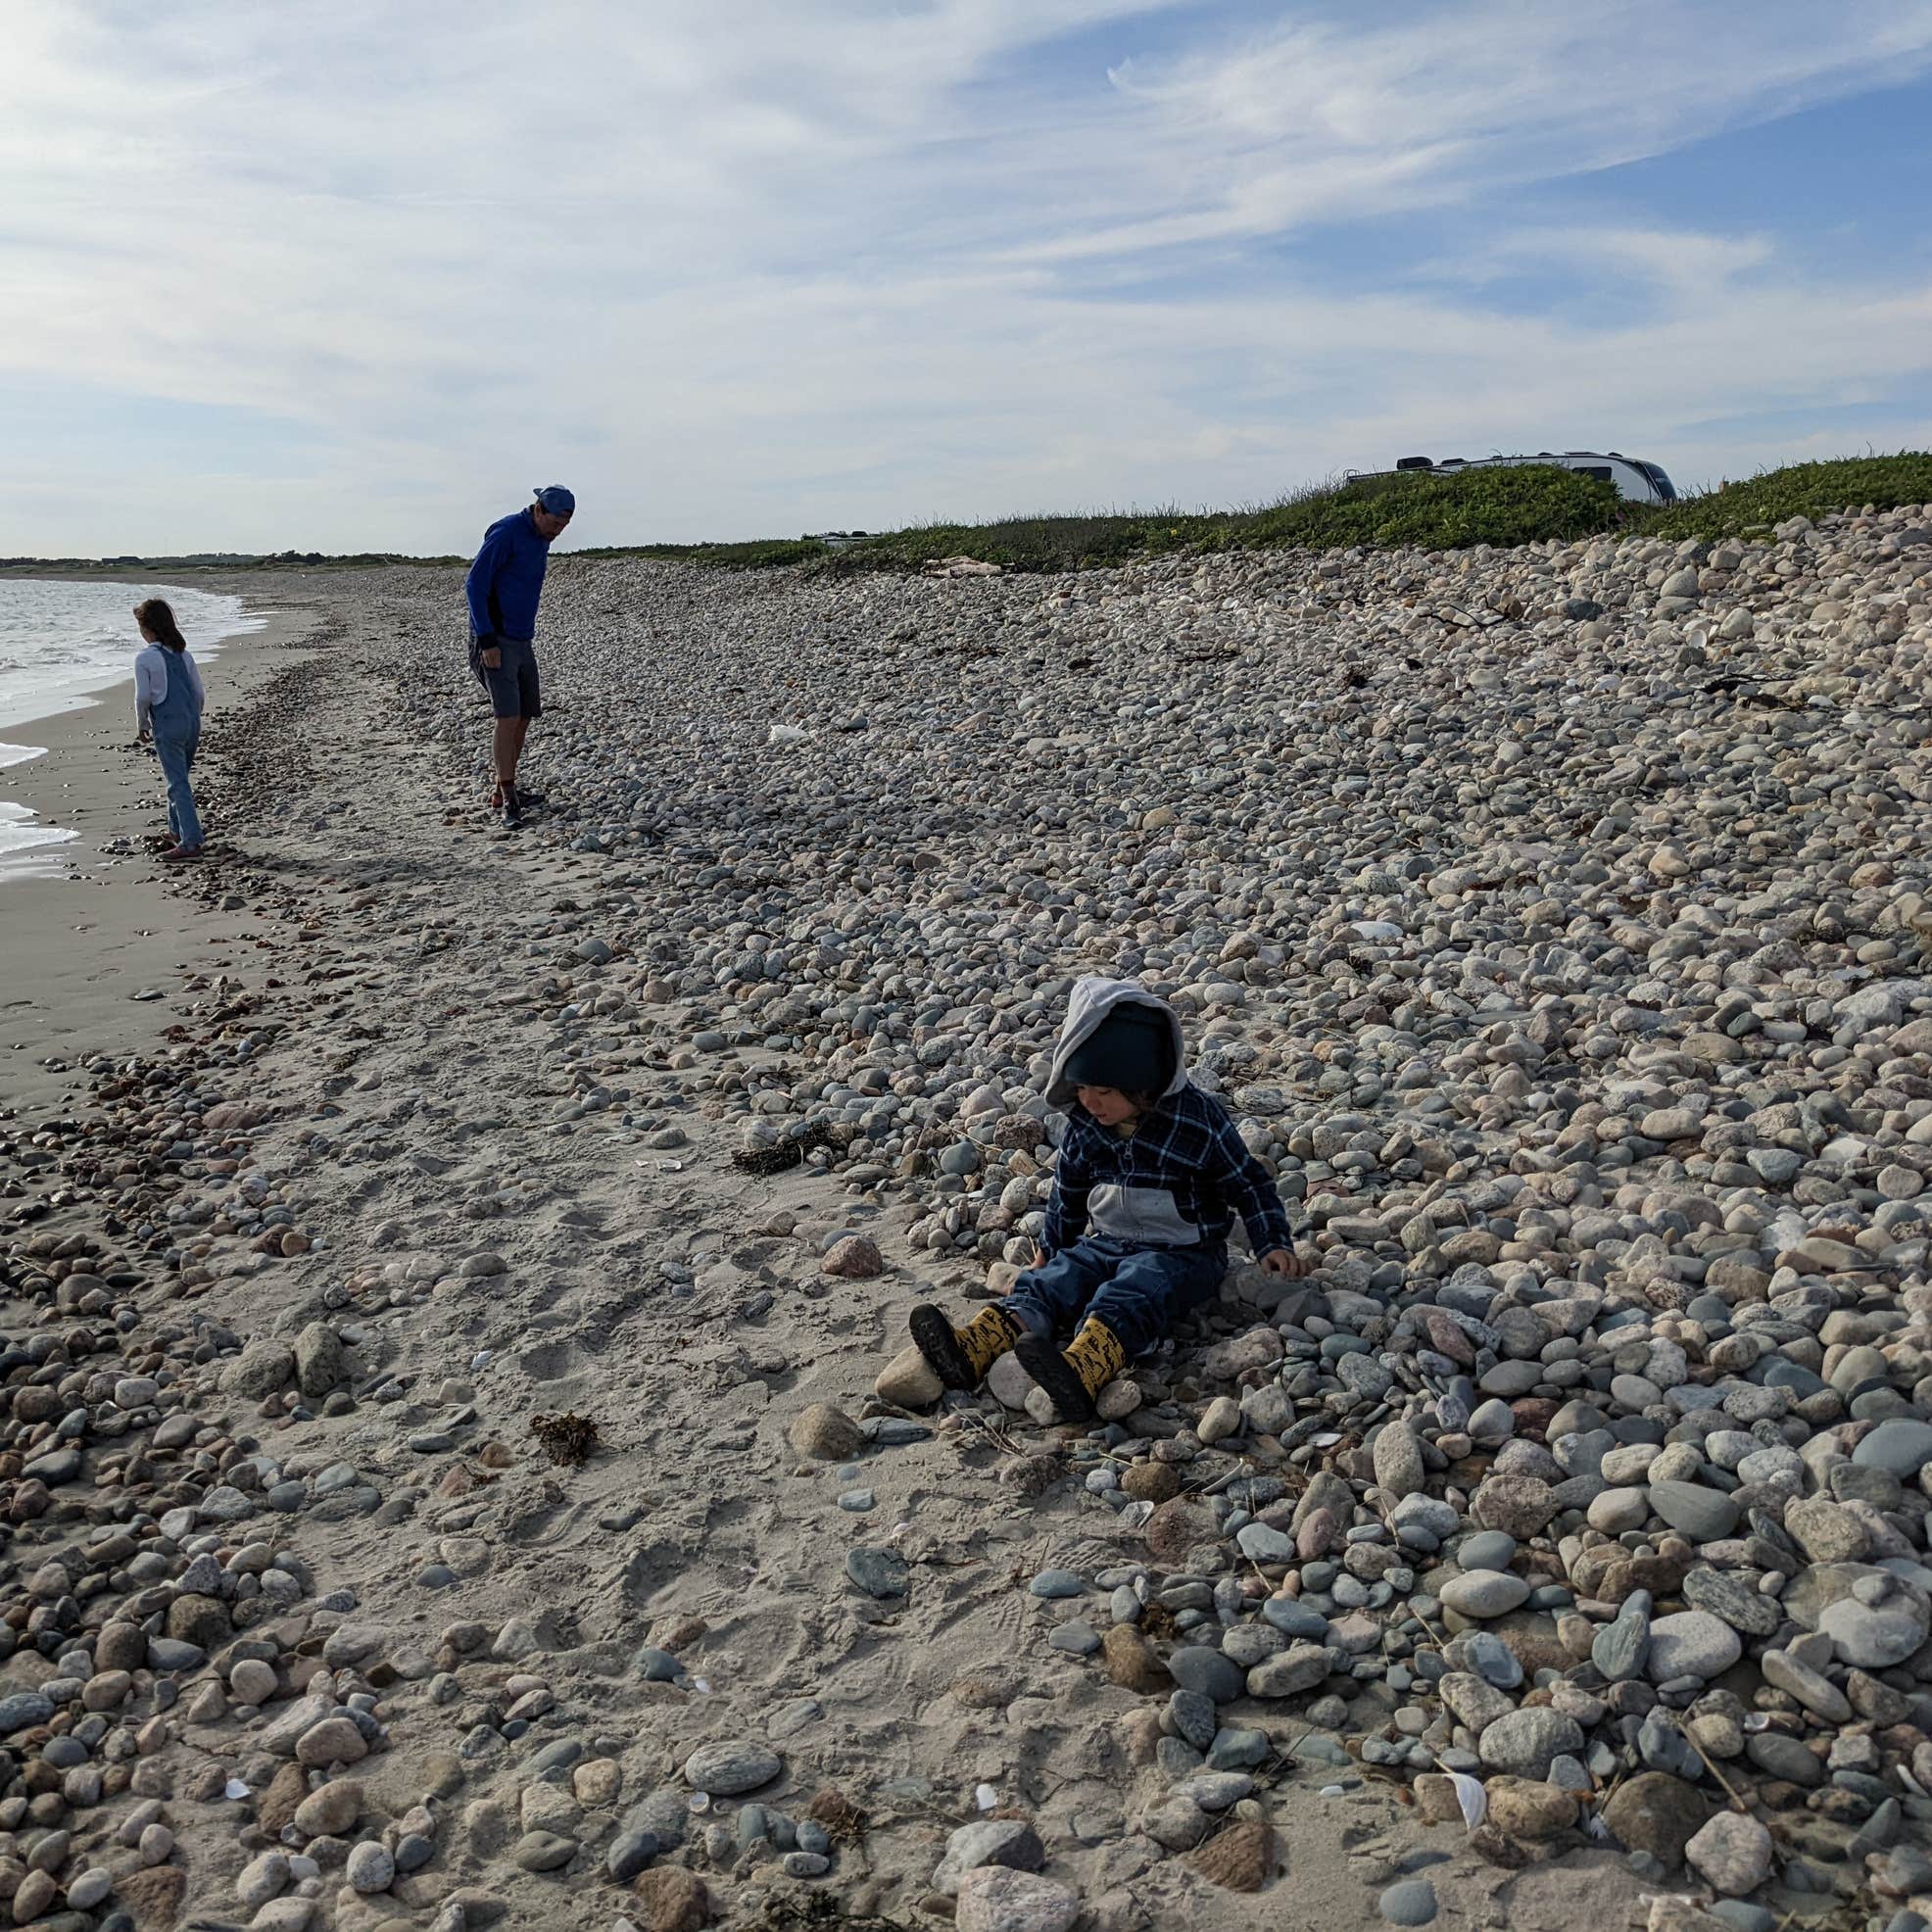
column 1284, row 1261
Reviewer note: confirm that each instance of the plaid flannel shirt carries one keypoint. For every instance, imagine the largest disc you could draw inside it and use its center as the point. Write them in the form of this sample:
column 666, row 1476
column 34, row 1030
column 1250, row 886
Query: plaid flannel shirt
column 1186, row 1144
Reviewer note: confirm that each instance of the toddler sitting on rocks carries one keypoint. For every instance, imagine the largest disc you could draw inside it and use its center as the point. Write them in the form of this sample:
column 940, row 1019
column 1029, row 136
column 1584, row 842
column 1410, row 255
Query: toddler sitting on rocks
column 1151, row 1174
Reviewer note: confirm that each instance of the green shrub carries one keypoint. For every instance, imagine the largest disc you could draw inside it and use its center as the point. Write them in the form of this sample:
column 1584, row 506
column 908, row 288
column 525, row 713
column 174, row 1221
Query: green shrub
column 1035, row 543
column 1799, row 488
column 1517, row 504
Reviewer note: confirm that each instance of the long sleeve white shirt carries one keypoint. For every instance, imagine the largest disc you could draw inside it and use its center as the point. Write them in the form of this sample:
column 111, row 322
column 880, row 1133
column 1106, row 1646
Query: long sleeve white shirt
column 151, row 679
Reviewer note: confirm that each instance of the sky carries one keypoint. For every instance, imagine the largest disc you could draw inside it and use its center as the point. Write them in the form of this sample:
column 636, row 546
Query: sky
column 359, row 276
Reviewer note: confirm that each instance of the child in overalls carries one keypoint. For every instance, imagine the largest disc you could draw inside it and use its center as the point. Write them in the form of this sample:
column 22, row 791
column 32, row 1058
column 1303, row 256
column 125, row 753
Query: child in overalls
column 168, row 706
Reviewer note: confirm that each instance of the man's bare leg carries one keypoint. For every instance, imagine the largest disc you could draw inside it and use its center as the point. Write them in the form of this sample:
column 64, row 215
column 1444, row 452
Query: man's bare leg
column 506, row 746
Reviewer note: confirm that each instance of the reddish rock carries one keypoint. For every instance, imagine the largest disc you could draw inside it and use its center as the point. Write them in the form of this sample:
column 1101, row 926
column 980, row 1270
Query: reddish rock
column 1533, row 1416
column 1518, row 1505
column 1610, row 1574
column 1447, row 1337
column 1316, row 1536
column 856, row 1258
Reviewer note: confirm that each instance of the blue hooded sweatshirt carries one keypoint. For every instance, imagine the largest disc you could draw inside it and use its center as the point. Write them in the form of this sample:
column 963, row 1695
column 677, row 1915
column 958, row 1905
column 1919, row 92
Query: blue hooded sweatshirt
column 506, row 579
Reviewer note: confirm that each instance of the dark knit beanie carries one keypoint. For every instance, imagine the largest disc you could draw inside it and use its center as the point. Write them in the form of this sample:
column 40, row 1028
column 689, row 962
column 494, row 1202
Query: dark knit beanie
column 1131, row 1051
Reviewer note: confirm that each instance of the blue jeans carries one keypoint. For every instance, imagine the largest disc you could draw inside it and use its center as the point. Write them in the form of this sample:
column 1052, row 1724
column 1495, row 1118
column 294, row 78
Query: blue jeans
column 176, row 726
column 1140, row 1293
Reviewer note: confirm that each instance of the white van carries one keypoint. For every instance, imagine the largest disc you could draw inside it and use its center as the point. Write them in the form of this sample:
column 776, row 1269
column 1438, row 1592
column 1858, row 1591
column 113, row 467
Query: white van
column 1636, row 481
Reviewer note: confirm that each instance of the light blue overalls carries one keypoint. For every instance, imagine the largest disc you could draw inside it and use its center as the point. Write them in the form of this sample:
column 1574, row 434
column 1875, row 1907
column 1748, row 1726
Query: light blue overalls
column 176, row 726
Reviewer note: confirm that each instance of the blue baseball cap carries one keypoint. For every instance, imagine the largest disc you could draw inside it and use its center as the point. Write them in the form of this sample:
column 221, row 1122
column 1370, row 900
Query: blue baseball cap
column 556, row 500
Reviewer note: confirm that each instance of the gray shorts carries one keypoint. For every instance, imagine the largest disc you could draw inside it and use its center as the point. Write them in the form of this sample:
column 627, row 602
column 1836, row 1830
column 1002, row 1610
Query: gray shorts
column 512, row 685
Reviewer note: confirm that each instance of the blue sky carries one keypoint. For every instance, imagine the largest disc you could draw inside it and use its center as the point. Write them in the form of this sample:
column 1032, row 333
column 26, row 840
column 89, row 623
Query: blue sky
column 352, row 276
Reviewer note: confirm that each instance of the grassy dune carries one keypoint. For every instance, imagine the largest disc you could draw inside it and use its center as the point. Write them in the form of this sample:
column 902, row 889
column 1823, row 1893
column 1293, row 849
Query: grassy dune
column 1525, row 503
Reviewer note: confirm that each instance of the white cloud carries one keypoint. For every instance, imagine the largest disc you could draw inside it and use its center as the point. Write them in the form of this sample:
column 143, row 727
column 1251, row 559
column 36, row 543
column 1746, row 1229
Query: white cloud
column 749, row 269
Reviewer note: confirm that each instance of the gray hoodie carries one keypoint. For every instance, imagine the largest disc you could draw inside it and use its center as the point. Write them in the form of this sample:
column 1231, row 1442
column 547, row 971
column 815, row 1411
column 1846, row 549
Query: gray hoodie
column 1090, row 1002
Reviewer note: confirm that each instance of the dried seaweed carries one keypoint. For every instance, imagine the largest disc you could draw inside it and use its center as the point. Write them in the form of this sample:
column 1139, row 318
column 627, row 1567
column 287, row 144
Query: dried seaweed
column 817, row 1911
column 788, row 1153
column 841, row 1817
column 567, row 1440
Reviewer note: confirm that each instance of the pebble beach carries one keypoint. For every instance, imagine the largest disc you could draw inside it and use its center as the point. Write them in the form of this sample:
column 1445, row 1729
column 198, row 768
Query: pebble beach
column 461, row 1465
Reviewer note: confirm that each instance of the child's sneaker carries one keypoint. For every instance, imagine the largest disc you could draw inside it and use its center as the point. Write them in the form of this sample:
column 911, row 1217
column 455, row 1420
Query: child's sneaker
column 1074, row 1379
column 961, row 1357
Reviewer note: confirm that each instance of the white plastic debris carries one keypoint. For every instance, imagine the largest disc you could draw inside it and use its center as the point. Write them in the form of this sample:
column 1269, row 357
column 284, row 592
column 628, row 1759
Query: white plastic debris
column 781, row 734
column 234, row 1787
column 1471, row 1797
column 986, row 1796
column 480, row 1358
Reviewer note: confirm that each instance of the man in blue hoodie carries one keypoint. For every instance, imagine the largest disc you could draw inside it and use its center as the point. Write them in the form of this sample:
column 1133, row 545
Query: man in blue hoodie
column 503, row 587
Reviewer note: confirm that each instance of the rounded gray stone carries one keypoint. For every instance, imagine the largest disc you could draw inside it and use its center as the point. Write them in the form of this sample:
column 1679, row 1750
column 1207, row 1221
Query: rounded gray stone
column 1876, row 1633
column 1527, row 1741
column 1009, row 1842
column 1705, row 1515
column 543, row 1850
column 22, row 1709
column 1057, row 1583
column 731, row 1766
column 629, row 1853
column 878, row 1574
column 1408, row 1902
column 1484, row 1593
column 1486, row 1549
column 1196, row 1667
column 1691, row 1644
column 1901, row 1445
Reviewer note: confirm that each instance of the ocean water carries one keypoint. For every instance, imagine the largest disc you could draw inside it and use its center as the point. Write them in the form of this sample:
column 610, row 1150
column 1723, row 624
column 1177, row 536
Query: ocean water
column 66, row 645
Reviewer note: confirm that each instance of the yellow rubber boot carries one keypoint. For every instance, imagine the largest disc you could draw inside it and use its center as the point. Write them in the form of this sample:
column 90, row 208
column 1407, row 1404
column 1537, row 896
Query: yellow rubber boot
column 961, row 1357
column 1075, row 1379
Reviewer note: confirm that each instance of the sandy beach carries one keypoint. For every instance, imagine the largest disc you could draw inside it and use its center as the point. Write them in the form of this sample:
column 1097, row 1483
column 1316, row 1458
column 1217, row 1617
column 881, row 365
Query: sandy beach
column 1553, row 923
